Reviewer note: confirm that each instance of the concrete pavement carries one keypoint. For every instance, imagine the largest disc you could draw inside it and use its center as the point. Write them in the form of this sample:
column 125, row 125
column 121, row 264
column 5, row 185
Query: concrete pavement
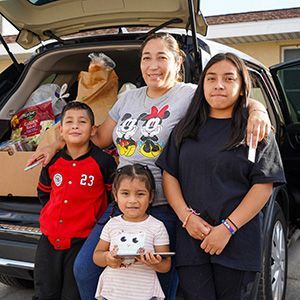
column 293, row 284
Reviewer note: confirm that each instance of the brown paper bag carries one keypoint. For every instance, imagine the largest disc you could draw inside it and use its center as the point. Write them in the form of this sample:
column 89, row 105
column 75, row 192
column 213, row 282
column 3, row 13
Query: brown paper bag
column 99, row 90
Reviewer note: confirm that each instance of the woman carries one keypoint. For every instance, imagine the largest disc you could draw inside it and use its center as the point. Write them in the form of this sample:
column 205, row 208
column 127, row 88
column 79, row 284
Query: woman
column 207, row 172
column 139, row 124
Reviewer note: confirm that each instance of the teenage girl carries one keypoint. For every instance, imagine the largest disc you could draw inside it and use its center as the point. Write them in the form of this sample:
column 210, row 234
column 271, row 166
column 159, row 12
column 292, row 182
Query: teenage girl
column 136, row 279
column 208, row 173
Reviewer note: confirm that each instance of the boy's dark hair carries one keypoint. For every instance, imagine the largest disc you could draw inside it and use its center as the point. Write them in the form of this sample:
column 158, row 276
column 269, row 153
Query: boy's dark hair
column 198, row 111
column 77, row 105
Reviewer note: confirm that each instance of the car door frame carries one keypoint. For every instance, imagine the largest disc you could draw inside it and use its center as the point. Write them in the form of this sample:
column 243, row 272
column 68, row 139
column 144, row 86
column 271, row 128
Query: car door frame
column 290, row 148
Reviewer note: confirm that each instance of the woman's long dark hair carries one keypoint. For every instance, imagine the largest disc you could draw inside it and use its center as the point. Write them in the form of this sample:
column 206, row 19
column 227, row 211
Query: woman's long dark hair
column 198, row 111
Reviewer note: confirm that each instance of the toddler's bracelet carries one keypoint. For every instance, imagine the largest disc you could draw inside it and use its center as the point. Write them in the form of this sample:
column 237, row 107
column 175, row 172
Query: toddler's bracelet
column 261, row 110
column 191, row 212
column 227, row 225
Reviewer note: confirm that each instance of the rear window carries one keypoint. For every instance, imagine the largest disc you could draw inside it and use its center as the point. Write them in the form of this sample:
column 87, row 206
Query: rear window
column 40, row 2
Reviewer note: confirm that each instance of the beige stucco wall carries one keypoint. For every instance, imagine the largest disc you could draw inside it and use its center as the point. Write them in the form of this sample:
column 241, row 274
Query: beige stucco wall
column 269, row 53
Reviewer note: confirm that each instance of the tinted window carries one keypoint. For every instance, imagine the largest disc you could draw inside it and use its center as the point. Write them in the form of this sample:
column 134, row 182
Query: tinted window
column 289, row 79
column 40, row 2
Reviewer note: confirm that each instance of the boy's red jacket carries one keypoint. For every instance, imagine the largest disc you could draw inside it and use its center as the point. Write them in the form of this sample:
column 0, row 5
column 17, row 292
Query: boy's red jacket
column 74, row 195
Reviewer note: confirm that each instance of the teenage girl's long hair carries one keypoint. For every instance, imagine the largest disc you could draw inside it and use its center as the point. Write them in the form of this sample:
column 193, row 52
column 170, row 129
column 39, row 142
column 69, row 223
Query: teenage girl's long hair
column 198, row 111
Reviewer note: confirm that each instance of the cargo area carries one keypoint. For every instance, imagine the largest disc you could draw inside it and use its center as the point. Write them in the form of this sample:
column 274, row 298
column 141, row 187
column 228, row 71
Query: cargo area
column 19, row 205
column 59, row 67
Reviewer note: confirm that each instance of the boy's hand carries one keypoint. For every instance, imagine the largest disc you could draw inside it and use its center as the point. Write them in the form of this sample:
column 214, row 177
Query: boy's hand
column 216, row 240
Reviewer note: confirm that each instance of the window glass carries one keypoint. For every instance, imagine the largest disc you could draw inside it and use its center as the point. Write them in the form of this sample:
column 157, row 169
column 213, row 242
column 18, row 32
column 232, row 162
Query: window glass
column 259, row 93
column 291, row 54
column 289, row 79
column 41, row 2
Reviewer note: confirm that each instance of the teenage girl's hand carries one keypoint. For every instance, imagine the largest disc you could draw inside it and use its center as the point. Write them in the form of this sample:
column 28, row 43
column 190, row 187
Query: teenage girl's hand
column 113, row 261
column 216, row 240
column 197, row 227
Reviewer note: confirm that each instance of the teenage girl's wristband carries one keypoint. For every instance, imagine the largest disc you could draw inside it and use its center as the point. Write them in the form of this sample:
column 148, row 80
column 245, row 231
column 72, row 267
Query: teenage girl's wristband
column 234, row 225
column 227, row 225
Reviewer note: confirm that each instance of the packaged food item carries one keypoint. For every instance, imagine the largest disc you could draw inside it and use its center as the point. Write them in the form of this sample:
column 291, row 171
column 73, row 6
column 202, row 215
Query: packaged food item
column 49, row 91
column 31, row 122
column 12, row 146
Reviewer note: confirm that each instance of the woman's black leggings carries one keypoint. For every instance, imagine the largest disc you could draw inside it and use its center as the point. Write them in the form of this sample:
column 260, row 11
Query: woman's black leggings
column 215, row 282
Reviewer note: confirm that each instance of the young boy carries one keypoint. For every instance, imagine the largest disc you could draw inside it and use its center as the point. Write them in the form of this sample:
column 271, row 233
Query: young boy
column 72, row 189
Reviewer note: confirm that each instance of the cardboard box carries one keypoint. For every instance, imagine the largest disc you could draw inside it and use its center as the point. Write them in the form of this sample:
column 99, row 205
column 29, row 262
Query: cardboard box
column 13, row 179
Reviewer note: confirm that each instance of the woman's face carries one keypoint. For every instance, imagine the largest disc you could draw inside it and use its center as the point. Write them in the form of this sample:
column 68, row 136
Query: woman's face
column 159, row 68
column 222, row 87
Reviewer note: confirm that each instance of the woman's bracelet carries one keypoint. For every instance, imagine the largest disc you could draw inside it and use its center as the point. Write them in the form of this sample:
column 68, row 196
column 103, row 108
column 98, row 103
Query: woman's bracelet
column 186, row 219
column 191, row 212
column 233, row 223
column 227, row 225
column 261, row 110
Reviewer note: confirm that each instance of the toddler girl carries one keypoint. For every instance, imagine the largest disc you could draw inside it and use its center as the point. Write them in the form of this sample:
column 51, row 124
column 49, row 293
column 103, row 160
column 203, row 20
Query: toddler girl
column 136, row 234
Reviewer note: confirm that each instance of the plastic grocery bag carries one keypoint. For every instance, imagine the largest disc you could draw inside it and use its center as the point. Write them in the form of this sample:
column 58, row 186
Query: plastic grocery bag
column 49, row 91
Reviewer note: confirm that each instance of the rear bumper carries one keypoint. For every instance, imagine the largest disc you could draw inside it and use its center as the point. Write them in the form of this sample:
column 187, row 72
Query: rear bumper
column 17, row 250
column 11, row 263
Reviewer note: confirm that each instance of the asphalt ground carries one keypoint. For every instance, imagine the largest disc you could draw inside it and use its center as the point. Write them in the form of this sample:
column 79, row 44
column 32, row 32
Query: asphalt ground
column 293, row 284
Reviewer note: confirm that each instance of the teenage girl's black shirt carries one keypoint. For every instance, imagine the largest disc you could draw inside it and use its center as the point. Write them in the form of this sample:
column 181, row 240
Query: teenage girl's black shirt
column 214, row 181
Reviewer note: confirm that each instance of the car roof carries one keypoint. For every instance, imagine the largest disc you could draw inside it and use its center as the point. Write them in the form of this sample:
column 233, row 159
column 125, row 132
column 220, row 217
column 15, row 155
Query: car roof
column 37, row 23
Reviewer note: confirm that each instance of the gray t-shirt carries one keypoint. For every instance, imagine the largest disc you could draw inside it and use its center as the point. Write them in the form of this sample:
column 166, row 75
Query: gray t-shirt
column 144, row 125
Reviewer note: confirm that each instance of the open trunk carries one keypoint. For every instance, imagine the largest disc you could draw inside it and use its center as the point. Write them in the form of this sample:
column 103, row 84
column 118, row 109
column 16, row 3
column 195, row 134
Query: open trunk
column 19, row 205
column 59, row 65
column 56, row 66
